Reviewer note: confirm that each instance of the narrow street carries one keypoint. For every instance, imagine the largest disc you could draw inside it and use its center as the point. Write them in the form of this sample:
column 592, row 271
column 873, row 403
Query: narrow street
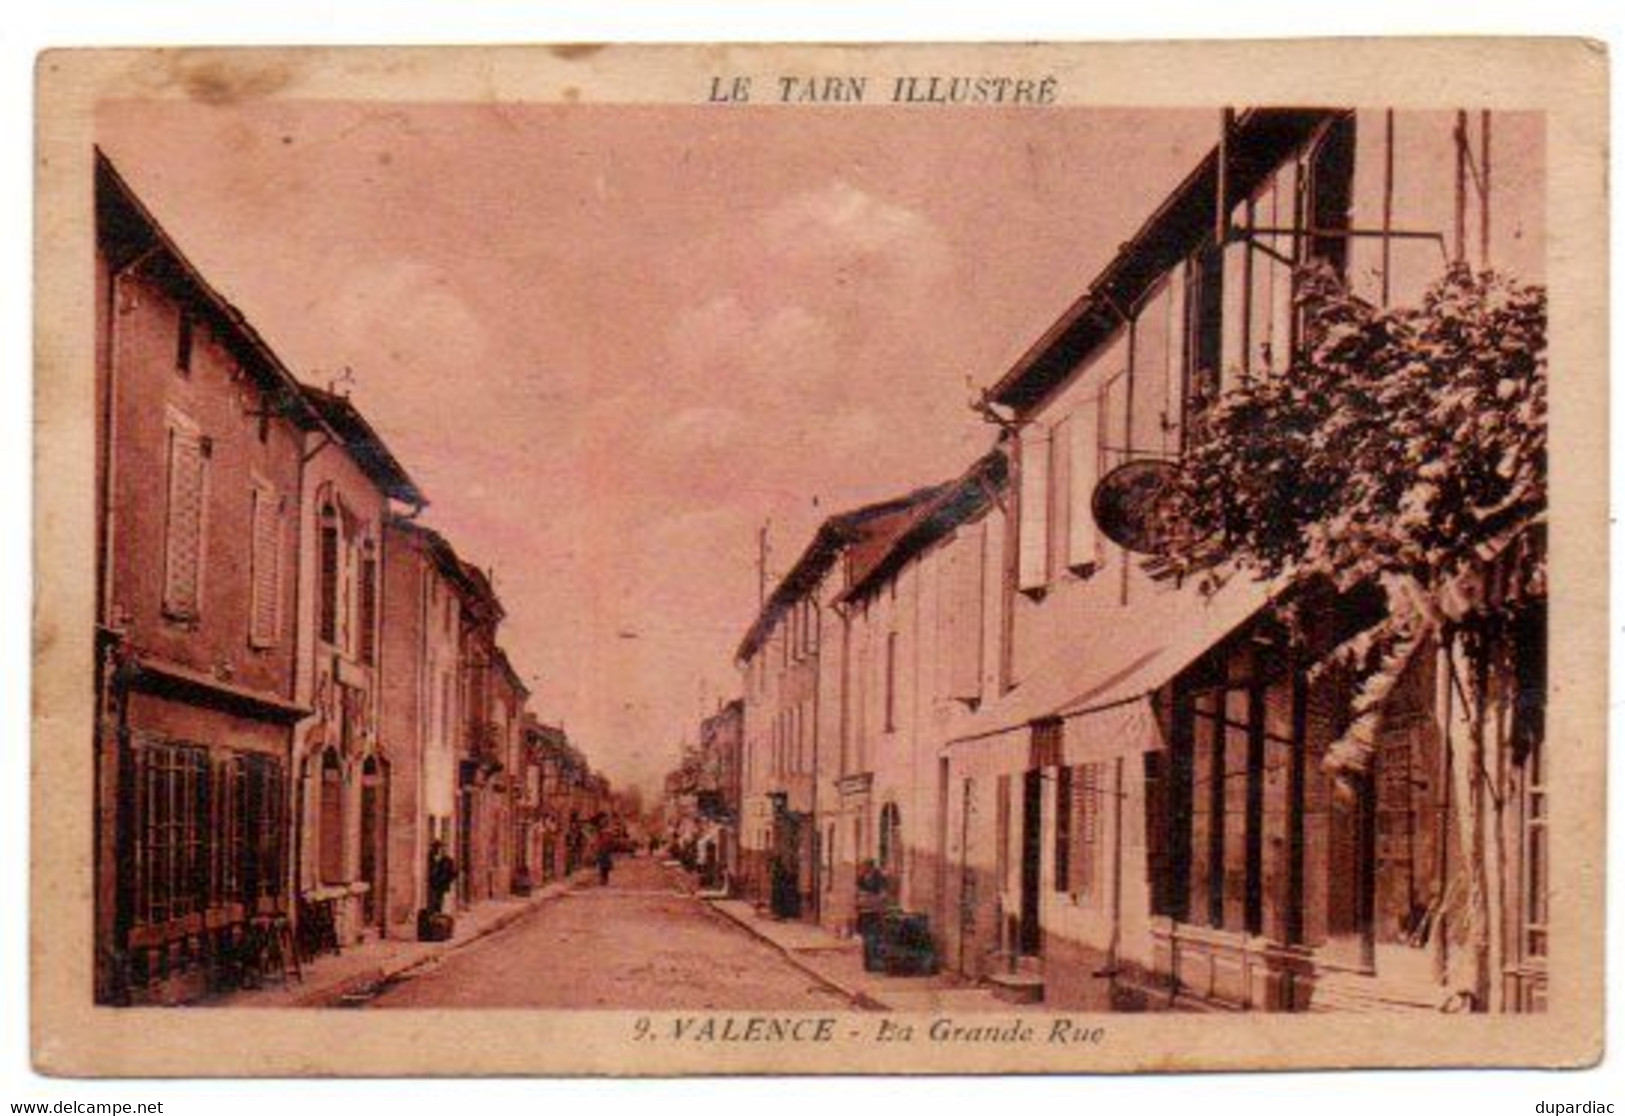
column 642, row 942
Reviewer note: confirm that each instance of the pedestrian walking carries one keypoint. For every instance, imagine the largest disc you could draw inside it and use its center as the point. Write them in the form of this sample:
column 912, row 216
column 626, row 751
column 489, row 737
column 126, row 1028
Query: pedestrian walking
column 605, row 855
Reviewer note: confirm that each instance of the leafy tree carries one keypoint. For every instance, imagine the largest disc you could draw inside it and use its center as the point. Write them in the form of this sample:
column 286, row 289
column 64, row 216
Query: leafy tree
column 1405, row 449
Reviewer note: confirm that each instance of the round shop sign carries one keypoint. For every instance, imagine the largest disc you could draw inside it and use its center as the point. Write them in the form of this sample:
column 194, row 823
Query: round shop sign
column 1131, row 504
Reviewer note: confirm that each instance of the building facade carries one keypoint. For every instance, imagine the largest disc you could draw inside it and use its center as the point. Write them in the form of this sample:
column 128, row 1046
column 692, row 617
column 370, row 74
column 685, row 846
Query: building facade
column 345, row 765
column 794, row 695
column 199, row 441
column 1114, row 785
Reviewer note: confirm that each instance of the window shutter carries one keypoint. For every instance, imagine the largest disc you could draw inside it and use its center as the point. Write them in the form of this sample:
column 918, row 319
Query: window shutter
column 965, row 615
column 1237, row 302
column 1060, row 493
column 1083, row 454
column 183, row 536
column 265, row 567
column 1033, row 559
column 328, row 593
column 369, row 610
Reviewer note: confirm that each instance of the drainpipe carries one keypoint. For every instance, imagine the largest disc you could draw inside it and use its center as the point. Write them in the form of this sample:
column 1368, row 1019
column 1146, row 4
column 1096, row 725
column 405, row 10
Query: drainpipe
column 1115, row 944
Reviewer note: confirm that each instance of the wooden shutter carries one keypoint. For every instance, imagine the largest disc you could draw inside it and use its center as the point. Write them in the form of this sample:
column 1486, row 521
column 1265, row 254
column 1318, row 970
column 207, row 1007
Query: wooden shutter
column 265, row 567
column 1064, row 819
column 965, row 581
column 183, row 534
column 327, row 596
column 1088, row 829
column 1237, row 302
column 1033, row 558
column 1083, row 467
column 369, row 610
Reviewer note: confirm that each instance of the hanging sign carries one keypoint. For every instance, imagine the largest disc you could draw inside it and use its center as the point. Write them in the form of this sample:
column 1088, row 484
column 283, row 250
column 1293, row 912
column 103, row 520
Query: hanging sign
column 1131, row 505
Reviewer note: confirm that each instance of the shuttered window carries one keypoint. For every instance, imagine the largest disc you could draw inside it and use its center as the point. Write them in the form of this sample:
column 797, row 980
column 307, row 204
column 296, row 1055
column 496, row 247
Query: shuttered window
column 265, row 566
column 1083, row 470
column 369, row 609
column 327, row 596
column 183, row 525
column 1032, row 572
column 965, row 580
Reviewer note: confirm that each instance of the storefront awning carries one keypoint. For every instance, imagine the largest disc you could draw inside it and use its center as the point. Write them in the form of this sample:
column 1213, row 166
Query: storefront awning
column 1100, row 689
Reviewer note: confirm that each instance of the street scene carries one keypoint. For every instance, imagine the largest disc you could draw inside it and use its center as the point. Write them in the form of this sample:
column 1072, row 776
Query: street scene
column 641, row 558
column 654, row 947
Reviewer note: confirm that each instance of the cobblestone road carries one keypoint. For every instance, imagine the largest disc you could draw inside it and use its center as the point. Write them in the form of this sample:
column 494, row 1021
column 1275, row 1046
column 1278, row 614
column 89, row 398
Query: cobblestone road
column 640, row 943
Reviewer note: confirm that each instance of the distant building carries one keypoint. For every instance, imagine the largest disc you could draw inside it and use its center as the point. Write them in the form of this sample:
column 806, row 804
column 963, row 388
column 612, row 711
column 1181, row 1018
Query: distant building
column 794, row 693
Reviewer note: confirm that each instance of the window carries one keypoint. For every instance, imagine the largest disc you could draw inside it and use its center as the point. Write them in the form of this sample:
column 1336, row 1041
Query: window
column 1001, row 821
column 1083, row 456
column 1223, row 735
column 327, row 592
column 1535, row 854
column 1063, row 829
column 170, row 824
column 891, row 681
column 330, row 823
column 264, row 813
column 183, row 344
column 1033, row 503
column 965, row 609
column 368, row 634
column 230, row 831
column 891, row 841
column 1203, row 327
column 1077, row 816
column 265, row 565
column 184, row 521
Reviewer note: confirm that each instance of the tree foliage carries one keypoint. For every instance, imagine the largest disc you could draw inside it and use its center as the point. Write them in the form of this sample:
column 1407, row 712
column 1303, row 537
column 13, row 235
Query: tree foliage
column 1403, row 448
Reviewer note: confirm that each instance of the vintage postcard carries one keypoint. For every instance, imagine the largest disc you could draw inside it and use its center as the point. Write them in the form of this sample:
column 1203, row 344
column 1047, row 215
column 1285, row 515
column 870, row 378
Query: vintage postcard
column 646, row 560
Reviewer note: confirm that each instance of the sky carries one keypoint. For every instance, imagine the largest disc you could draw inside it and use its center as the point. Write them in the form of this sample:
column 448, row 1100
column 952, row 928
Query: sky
column 612, row 342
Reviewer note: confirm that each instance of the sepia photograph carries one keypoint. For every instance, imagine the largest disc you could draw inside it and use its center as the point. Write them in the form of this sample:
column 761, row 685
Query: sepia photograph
column 855, row 559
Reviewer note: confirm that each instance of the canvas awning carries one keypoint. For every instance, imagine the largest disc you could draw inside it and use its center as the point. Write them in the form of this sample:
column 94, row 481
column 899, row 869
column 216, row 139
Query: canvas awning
column 1101, row 691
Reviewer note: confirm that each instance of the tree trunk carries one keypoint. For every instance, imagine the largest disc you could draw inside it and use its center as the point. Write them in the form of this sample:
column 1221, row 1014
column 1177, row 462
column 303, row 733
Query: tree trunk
column 1478, row 852
column 1470, row 790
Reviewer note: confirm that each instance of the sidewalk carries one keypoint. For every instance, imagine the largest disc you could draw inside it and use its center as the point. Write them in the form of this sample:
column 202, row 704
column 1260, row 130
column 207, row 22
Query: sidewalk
column 333, row 980
column 838, row 962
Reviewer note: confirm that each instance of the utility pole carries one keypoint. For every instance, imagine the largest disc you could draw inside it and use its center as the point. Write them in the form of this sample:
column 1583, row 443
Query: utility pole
column 761, row 563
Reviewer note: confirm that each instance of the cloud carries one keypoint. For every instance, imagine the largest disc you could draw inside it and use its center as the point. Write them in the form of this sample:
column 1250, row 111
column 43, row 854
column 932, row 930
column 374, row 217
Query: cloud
column 841, row 224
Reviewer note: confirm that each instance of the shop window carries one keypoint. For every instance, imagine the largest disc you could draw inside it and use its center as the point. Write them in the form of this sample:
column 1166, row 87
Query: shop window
column 170, row 831
column 1217, row 817
column 264, row 798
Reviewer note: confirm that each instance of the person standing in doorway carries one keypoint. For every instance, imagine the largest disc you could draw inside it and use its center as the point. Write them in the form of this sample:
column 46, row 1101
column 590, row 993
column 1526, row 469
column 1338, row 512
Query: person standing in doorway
column 605, row 855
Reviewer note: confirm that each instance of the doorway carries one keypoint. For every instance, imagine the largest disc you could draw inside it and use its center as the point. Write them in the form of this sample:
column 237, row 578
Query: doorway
column 374, row 789
column 1030, row 939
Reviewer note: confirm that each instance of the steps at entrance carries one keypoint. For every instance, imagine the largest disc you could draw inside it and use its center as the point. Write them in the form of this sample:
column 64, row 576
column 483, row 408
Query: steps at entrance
column 1361, row 993
column 1022, row 984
